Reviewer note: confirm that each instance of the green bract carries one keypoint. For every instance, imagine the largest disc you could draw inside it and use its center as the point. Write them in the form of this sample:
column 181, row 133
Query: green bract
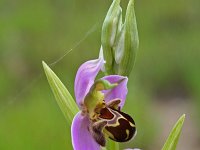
column 62, row 95
column 173, row 138
column 119, row 41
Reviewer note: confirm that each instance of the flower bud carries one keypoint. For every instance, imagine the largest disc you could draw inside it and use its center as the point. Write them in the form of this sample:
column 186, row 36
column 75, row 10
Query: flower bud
column 127, row 43
column 119, row 41
column 110, row 27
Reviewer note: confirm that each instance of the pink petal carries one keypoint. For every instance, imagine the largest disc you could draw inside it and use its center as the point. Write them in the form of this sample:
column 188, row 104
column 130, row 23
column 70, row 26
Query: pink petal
column 81, row 137
column 85, row 77
column 119, row 92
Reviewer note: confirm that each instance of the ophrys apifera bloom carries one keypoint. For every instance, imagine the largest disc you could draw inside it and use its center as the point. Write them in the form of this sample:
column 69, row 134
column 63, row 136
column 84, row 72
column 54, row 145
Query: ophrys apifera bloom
column 100, row 104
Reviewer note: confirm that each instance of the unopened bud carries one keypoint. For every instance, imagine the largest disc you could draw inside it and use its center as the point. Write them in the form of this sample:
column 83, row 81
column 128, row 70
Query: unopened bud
column 119, row 41
column 110, row 27
column 127, row 43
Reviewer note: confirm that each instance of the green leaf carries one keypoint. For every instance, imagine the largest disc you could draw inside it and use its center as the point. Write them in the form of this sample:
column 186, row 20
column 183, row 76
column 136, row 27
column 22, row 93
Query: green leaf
column 173, row 138
column 62, row 95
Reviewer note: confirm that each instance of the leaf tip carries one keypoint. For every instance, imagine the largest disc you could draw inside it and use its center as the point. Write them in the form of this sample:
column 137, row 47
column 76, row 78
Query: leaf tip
column 44, row 64
column 182, row 118
column 46, row 68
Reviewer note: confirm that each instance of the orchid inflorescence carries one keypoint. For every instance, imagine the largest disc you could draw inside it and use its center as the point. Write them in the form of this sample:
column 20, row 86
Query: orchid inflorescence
column 100, row 101
column 97, row 114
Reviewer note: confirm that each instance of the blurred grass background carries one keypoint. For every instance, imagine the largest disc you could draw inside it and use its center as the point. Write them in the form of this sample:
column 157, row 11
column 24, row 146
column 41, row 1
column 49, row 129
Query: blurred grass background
column 164, row 83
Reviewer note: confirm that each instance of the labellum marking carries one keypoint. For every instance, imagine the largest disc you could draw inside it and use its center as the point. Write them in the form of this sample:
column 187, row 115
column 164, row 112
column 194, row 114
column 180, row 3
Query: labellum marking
column 105, row 114
column 118, row 128
column 114, row 104
column 96, row 131
column 111, row 122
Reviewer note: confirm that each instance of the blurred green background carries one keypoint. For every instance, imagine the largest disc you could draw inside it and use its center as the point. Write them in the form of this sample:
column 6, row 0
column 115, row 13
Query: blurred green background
column 164, row 84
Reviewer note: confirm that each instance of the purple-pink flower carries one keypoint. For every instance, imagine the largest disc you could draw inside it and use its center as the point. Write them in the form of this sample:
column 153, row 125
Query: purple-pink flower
column 99, row 106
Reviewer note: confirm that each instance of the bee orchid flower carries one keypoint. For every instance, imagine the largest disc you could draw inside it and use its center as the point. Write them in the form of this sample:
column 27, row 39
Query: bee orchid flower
column 100, row 102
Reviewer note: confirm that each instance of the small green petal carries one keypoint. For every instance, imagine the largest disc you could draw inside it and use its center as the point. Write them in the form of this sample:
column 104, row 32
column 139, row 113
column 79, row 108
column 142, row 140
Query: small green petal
column 62, row 95
column 173, row 138
column 101, row 84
